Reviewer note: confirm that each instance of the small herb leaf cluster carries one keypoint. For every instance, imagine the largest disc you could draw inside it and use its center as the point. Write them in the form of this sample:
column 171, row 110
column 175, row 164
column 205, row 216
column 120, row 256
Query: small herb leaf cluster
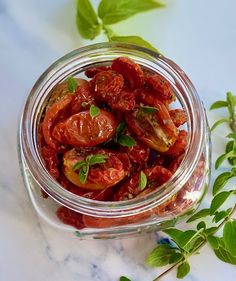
column 82, row 166
column 91, row 23
column 122, row 138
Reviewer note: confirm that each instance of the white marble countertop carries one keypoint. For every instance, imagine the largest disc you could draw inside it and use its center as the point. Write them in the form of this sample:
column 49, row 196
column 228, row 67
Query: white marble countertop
column 198, row 35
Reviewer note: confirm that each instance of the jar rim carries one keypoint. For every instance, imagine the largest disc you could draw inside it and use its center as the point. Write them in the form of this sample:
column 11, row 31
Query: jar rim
column 60, row 70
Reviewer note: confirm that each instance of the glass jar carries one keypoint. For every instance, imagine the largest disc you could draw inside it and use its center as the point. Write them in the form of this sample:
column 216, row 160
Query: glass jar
column 175, row 199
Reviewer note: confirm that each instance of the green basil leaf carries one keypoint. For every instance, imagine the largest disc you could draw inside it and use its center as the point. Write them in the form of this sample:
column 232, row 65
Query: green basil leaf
column 217, row 123
column 125, row 140
column 160, row 256
column 219, row 104
column 96, row 159
column 175, row 257
column 183, row 270
column 222, row 158
column 71, row 84
column 113, row 11
column 221, row 181
column 218, row 200
column 136, row 40
column 78, row 165
column 221, row 215
column 231, row 136
column 231, row 100
column 83, row 174
column 210, row 231
column 94, row 110
column 142, row 180
column 229, row 237
column 188, row 238
column 148, row 109
column 123, row 278
column 201, row 214
column 87, row 20
column 229, row 147
column 224, row 255
column 213, row 241
column 175, row 234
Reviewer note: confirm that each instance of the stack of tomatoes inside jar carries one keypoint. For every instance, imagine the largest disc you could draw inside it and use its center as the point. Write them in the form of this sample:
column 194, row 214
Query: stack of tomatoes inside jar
column 114, row 137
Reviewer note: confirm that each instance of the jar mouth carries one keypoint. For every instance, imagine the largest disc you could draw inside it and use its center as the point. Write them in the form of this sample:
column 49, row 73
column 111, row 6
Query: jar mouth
column 78, row 61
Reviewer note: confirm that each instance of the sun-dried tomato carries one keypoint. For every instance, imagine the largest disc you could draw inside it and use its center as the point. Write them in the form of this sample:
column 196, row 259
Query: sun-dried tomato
column 125, row 101
column 51, row 161
column 178, row 116
column 91, row 72
column 131, row 71
column 180, row 145
column 70, row 217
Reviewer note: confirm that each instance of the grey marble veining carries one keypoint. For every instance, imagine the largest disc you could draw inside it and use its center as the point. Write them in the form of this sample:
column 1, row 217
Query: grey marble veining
column 199, row 35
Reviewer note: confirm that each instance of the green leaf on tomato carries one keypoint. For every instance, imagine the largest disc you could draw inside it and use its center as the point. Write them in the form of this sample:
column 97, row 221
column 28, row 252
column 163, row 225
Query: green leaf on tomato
column 142, row 181
column 125, row 140
column 71, row 84
column 94, row 111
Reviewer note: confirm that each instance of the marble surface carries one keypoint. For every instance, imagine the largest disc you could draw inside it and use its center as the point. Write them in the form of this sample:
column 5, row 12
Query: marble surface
column 199, row 35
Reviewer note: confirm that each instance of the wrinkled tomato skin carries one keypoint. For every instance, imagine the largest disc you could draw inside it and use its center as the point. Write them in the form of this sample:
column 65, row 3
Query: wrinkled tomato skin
column 180, row 145
column 100, row 176
column 125, row 101
column 178, row 117
column 131, row 71
column 52, row 116
column 156, row 130
column 137, row 153
column 51, row 160
column 70, row 217
column 106, row 85
column 90, row 73
column 160, row 88
column 156, row 176
column 82, row 130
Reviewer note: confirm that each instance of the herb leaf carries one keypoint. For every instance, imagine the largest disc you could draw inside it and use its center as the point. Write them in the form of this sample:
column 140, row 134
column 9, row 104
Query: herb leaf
column 217, row 123
column 201, row 214
column 96, row 159
column 219, row 104
column 229, row 237
column 137, row 40
column 126, row 140
column 94, row 110
column 183, row 269
column 79, row 165
column 175, row 234
column 229, row 147
column 83, row 173
column 123, row 278
column 222, row 158
column 87, row 20
column 71, row 84
column 218, row 200
column 113, row 11
column 224, row 255
column 142, row 180
column 148, row 109
column 221, row 181
column 213, row 241
column 160, row 256
column 221, row 215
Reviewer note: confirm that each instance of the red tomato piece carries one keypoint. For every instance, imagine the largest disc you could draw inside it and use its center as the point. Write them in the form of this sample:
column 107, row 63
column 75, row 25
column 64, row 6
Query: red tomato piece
column 100, row 176
column 125, row 101
column 175, row 163
column 82, row 130
column 178, row 116
column 131, row 71
column 52, row 116
column 83, row 98
column 156, row 176
column 96, row 222
column 160, row 87
column 106, row 85
column 70, row 217
column 91, row 72
column 156, row 130
column 51, row 161
column 180, row 145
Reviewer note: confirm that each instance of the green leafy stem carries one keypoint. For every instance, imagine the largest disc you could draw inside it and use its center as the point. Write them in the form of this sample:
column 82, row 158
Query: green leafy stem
column 91, row 23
